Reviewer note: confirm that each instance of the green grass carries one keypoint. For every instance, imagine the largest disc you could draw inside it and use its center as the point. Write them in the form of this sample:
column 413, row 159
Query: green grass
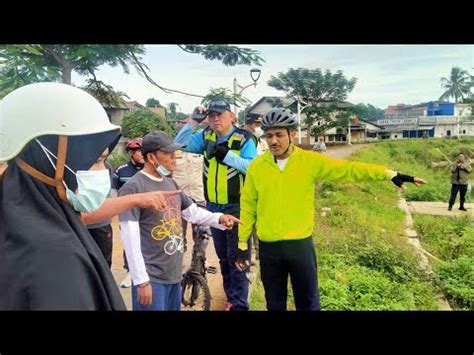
column 414, row 157
column 364, row 261
column 451, row 240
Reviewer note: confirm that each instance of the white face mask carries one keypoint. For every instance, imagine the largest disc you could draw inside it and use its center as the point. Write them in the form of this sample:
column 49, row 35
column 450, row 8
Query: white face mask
column 93, row 186
column 258, row 132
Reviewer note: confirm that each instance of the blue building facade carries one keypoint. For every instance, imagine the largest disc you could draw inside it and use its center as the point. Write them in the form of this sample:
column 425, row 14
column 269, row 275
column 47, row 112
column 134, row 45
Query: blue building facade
column 440, row 109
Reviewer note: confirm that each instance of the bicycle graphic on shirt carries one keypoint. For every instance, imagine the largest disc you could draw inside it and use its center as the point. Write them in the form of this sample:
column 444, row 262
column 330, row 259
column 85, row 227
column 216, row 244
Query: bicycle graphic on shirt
column 170, row 227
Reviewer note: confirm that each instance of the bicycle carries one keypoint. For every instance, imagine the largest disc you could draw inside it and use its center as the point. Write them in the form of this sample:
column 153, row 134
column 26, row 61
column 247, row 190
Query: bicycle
column 195, row 290
column 173, row 245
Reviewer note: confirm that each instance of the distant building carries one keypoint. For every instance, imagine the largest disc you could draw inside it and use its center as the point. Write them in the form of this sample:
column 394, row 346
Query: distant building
column 439, row 119
column 134, row 105
column 266, row 103
column 116, row 110
column 159, row 110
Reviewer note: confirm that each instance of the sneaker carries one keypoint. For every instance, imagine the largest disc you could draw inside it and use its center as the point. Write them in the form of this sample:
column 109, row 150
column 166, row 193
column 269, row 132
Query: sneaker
column 450, row 208
column 462, row 209
column 126, row 282
column 228, row 306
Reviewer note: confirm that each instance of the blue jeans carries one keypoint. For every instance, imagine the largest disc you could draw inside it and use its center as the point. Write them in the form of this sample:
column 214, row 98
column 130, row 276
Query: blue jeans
column 236, row 284
column 164, row 298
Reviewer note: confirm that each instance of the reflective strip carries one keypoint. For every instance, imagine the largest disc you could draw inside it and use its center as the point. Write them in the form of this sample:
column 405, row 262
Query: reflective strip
column 211, row 181
column 222, row 197
column 231, row 175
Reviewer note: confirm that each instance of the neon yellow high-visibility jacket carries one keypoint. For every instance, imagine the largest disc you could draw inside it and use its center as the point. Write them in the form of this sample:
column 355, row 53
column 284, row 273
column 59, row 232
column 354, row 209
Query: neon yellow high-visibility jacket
column 280, row 203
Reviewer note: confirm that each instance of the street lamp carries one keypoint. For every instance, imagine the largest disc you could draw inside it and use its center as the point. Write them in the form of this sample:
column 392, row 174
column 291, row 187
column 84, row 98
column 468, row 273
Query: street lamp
column 255, row 75
column 298, row 110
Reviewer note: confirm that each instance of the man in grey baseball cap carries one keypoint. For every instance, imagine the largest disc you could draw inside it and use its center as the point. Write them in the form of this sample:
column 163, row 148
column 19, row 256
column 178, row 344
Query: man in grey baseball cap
column 159, row 140
column 153, row 239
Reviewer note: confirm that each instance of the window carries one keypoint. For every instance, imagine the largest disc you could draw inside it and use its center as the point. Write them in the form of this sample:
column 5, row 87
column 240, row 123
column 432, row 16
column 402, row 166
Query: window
column 464, row 132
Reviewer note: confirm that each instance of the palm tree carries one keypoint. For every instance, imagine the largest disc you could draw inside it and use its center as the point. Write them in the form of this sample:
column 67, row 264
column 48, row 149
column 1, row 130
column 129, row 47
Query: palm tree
column 458, row 85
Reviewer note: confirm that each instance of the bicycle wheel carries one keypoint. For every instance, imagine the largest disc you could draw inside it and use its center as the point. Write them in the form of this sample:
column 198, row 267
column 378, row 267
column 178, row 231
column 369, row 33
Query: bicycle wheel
column 170, row 247
column 196, row 294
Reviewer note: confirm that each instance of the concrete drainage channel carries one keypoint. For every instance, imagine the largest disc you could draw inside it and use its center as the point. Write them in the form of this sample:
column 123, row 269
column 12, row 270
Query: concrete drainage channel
column 412, row 238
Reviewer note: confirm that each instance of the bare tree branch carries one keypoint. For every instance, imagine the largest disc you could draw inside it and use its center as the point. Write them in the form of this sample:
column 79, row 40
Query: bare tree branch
column 147, row 77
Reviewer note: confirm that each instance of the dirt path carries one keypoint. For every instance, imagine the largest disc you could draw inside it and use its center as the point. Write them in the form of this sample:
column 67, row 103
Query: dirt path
column 342, row 152
column 440, row 209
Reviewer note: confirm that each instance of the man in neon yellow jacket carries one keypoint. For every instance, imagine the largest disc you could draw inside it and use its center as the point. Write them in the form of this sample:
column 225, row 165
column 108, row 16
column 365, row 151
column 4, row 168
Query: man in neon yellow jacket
column 278, row 198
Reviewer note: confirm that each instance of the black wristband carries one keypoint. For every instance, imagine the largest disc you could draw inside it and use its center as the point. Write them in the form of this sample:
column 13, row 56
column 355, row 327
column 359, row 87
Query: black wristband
column 401, row 178
column 406, row 178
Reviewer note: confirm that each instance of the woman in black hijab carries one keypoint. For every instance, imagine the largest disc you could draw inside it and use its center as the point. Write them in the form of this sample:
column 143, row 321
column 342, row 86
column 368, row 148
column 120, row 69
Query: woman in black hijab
column 48, row 260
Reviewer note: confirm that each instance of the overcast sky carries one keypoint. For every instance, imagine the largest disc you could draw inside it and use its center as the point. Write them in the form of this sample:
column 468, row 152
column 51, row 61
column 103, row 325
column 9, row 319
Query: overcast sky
column 386, row 74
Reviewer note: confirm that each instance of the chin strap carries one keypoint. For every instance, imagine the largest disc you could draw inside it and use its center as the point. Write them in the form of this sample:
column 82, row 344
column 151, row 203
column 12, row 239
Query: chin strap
column 3, row 171
column 57, row 182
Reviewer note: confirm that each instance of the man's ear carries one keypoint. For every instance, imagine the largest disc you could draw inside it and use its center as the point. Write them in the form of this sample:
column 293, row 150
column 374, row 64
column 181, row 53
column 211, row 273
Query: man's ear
column 148, row 157
column 293, row 135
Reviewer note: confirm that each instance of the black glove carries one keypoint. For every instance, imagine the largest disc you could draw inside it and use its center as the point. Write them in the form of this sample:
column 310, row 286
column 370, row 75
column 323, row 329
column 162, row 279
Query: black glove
column 242, row 259
column 221, row 151
column 400, row 179
column 199, row 116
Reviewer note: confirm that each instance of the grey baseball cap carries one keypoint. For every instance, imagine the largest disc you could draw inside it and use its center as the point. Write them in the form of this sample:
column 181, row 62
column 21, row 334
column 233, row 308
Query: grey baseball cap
column 159, row 140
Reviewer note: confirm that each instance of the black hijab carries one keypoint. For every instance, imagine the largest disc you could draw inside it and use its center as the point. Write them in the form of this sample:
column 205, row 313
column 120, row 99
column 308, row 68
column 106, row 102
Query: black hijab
column 50, row 261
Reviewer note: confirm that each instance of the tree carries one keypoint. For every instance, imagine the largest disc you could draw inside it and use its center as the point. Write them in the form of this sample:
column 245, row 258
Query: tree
column 174, row 115
column 228, row 55
column 106, row 95
column 49, row 62
column 172, row 108
column 152, row 102
column 321, row 93
column 243, row 114
column 367, row 112
column 226, row 95
column 458, row 85
column 181, row 115
column 26, row 64
column 143, row 121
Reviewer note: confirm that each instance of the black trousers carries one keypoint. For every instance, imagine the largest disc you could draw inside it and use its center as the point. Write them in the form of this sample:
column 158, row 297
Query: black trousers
column 462, row 194
column 296, row 258
column 103, row 238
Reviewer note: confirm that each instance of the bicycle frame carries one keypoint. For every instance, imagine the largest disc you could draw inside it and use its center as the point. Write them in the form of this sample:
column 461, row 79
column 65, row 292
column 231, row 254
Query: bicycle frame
column 201, row 240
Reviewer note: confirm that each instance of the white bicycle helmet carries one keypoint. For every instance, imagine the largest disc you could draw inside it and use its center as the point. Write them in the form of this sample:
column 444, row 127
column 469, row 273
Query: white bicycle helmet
column 48, row 108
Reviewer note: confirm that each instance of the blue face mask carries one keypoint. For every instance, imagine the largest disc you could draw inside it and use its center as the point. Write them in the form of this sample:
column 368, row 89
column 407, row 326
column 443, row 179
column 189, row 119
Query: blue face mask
column 162, row 170
column 93, row 186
